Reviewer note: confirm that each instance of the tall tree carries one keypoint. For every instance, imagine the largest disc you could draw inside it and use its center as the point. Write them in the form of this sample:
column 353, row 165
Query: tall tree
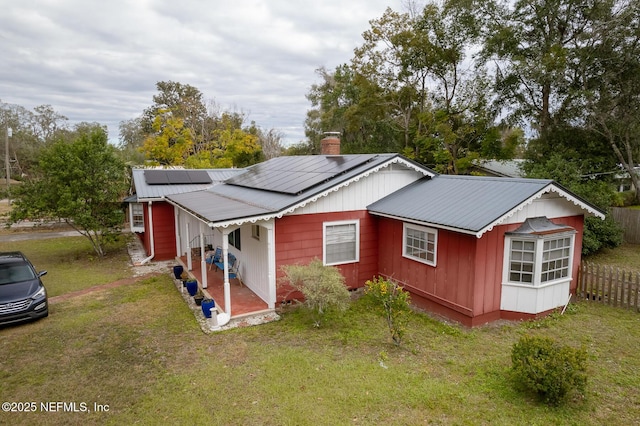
column 31, row 130
column 181, row 129
column 386, row 61
column 183, row 100
column 46, row 122
column 131, row 140
column 612, row 89
column 413, row 87
column 459, row 126
column 534, row 46
column 350, row 104
column 270, row 142
column 80, row 181
column 170, row 143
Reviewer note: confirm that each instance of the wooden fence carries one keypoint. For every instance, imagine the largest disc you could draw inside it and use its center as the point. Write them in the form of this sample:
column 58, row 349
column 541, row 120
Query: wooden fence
column 629, row 220
column 609, row 285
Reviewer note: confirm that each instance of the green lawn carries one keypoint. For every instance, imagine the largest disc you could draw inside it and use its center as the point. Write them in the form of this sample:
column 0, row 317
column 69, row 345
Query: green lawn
column 626, row 257
column 71, row 263
column 139, row 350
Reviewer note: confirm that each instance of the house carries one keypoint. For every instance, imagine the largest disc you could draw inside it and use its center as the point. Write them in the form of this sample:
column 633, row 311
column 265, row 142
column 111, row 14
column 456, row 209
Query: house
column 151, row 218
column 499, row 168
column 477, row 249
column 623, row 179
column 474, row 249
column 292, row 210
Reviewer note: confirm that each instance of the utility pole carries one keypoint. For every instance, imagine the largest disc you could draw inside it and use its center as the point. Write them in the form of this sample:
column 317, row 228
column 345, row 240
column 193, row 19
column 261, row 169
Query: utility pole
column 7, row 164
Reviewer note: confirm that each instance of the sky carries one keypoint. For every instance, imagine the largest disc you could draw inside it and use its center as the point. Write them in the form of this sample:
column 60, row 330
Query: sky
column 99, row 61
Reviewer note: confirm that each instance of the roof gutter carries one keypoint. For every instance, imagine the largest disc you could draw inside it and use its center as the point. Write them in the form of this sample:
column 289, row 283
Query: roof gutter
column 429, row 224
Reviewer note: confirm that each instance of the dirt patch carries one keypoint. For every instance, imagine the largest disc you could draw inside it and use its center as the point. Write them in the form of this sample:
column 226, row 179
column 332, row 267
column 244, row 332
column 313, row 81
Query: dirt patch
column 126, row 281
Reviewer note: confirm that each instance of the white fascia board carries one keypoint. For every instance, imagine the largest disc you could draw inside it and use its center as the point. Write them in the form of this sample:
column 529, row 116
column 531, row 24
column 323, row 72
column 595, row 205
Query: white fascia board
column 428, row 224
column 549, row 188
column 313, row 198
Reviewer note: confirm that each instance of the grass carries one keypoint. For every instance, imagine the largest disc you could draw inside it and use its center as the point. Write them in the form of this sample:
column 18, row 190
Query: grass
column 139, row 350
column 71, row 263
column 625, row 257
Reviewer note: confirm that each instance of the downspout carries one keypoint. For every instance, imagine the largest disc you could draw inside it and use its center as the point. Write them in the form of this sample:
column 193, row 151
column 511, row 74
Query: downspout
column 203, row 260
column 224, row 317
column 271, row 264
column 151, row 239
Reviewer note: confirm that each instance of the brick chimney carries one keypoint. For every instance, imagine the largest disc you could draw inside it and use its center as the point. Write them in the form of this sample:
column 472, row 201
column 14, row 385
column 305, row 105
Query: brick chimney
column 330, row 144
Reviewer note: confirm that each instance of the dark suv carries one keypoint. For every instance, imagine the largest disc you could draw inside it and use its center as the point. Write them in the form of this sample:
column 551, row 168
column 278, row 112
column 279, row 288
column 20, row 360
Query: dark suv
column 22, row 294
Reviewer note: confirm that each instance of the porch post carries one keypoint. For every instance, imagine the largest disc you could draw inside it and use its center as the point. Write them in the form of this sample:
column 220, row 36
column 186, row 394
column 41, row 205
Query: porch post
column 203, row 261
column 271, row 264
column 225, row 259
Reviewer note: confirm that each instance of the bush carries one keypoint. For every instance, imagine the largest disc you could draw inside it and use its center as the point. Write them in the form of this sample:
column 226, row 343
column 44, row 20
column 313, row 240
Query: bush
column 322, row 286
column 549, row 369
column 393, row 302
column 599, row 234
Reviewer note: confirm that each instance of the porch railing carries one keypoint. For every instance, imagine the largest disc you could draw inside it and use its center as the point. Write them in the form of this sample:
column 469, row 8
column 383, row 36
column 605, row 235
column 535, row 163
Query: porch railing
column 195, row 242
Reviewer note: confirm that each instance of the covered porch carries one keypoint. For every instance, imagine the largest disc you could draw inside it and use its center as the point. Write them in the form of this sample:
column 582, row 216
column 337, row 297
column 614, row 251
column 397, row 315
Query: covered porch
column 244, row 302
column 206, row 223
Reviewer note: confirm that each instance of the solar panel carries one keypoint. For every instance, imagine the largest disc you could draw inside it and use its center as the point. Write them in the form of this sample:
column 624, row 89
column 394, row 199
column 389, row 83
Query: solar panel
column 293, row 175
column 199, row 176
column 176, row 177
column 156, row 177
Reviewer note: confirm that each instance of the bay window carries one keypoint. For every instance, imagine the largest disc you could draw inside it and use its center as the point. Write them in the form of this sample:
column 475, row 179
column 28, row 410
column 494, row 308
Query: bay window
column 539, row 252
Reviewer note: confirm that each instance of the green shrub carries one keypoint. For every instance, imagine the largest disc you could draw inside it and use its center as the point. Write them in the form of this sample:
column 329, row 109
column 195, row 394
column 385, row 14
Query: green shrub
column 599, row 234
column 393, row 302
column 549, row 369
column 322, row 286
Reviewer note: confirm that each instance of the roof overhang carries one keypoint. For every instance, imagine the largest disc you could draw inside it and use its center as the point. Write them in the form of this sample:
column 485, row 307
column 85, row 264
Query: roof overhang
column 551, row 188
column 267, row 216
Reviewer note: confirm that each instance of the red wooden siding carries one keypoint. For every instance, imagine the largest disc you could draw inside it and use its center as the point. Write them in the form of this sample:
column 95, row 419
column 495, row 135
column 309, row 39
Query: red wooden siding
column 466, row 283
column 299, row 240
column 445, row 287
column 144, row 236
column 164, row 230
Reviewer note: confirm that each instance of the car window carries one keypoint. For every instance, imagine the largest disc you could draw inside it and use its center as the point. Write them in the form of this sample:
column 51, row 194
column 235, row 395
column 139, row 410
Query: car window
column 15, row 273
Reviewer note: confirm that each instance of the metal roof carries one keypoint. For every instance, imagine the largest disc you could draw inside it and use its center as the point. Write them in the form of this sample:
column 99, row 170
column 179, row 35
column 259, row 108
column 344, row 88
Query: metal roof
column 231, row 203
column 162, row 182
column 470, row 204
column 176, row 177
column 539, row 226
column 505, row 168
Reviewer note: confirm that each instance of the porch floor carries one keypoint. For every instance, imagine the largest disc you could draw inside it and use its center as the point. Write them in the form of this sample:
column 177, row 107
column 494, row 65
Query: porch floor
column 243, row 301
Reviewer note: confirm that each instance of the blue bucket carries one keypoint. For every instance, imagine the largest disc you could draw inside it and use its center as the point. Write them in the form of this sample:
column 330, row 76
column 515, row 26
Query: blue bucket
column 177, row 271
column 192, row 287
column 207, row 305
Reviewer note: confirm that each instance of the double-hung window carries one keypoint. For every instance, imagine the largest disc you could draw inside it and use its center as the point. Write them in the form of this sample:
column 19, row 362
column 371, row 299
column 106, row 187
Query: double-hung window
column 137, row 217
column 419, row 243
column 341, row 242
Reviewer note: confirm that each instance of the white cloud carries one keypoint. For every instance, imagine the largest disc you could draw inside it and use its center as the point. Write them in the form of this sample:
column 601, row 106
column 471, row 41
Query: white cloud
column 100, row 60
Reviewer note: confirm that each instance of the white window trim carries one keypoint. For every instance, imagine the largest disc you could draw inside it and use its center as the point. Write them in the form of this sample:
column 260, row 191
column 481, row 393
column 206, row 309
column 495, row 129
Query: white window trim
column 421, row 229
column 324, row 241
column 537, row 270
column 135, row 228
